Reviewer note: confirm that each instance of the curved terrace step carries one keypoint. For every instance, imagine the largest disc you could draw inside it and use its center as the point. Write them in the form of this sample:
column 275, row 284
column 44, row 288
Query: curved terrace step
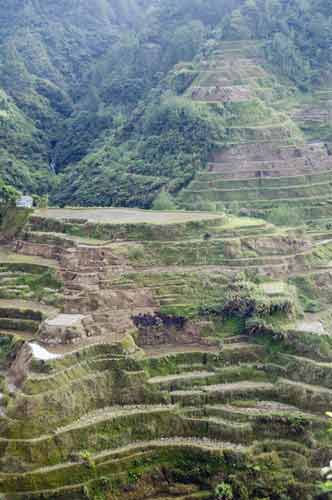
column 263, row 411
column 223, row 392
column 307, row 396
column 70, row 473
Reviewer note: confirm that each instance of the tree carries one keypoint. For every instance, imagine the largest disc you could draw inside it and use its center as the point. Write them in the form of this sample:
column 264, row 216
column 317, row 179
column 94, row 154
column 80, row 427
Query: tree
column 8, row 194
column 224, row 491
column 164, row 201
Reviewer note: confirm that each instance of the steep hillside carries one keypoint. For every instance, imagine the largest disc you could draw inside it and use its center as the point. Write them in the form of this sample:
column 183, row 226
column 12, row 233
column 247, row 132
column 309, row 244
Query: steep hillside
column 169, row 138
column 275, row 150
column 184, row 352
column 98, row 85
column 155, row 355
column 45, row 50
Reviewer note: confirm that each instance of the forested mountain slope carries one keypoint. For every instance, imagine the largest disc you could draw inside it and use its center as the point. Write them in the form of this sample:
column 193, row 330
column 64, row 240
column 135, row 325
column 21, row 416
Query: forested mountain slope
column 46, row 48
column 94, row 107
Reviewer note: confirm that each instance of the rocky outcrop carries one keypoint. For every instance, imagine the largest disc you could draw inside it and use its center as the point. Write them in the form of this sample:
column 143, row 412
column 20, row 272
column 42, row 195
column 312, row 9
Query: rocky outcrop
column 64, row 329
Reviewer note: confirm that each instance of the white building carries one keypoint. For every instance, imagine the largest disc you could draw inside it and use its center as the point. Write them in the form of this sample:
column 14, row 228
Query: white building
column 24, row 202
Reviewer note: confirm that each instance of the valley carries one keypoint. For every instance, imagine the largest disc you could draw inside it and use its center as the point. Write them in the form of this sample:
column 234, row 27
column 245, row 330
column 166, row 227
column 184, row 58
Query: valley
column 165, row 300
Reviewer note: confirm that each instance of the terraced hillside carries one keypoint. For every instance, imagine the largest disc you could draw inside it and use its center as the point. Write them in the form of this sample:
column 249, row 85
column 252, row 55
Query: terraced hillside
column 159, row 360
column 277, row 146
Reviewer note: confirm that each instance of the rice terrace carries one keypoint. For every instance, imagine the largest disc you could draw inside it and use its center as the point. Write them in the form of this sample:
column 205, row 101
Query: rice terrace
column 165, row 250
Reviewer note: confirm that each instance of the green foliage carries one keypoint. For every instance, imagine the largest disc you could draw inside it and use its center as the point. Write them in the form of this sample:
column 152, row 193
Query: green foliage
column 45, row 50
column 12, row 220
column 185, row 42
column 135, row 253
column 223, row 491
column 65, row 93
column 163, row 148
column 87, row 458
column 234, row 208
column 297, row 34
column 164, row 201
column 285, row 215
column 8, row 194
column 7, row 346
column 133, row 477
column 42, row 201
column 178, row 132
column 181, row 78
column 90, row 90
column 79, row 132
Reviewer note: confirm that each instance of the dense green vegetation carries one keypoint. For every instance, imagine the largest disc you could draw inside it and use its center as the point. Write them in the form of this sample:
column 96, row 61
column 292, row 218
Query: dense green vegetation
column 164, row 147
column 89, row 94
column 8, row 196
column 297, row 34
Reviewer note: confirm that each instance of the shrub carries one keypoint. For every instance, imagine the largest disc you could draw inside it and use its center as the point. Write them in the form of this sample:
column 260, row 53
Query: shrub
column 164, row 201
column 234, row 208
column 135, row 253
column 8, row 194
column 87, row 458
column 285, row 215
column 43, row 201
column 205, row 206
column 223, row 491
